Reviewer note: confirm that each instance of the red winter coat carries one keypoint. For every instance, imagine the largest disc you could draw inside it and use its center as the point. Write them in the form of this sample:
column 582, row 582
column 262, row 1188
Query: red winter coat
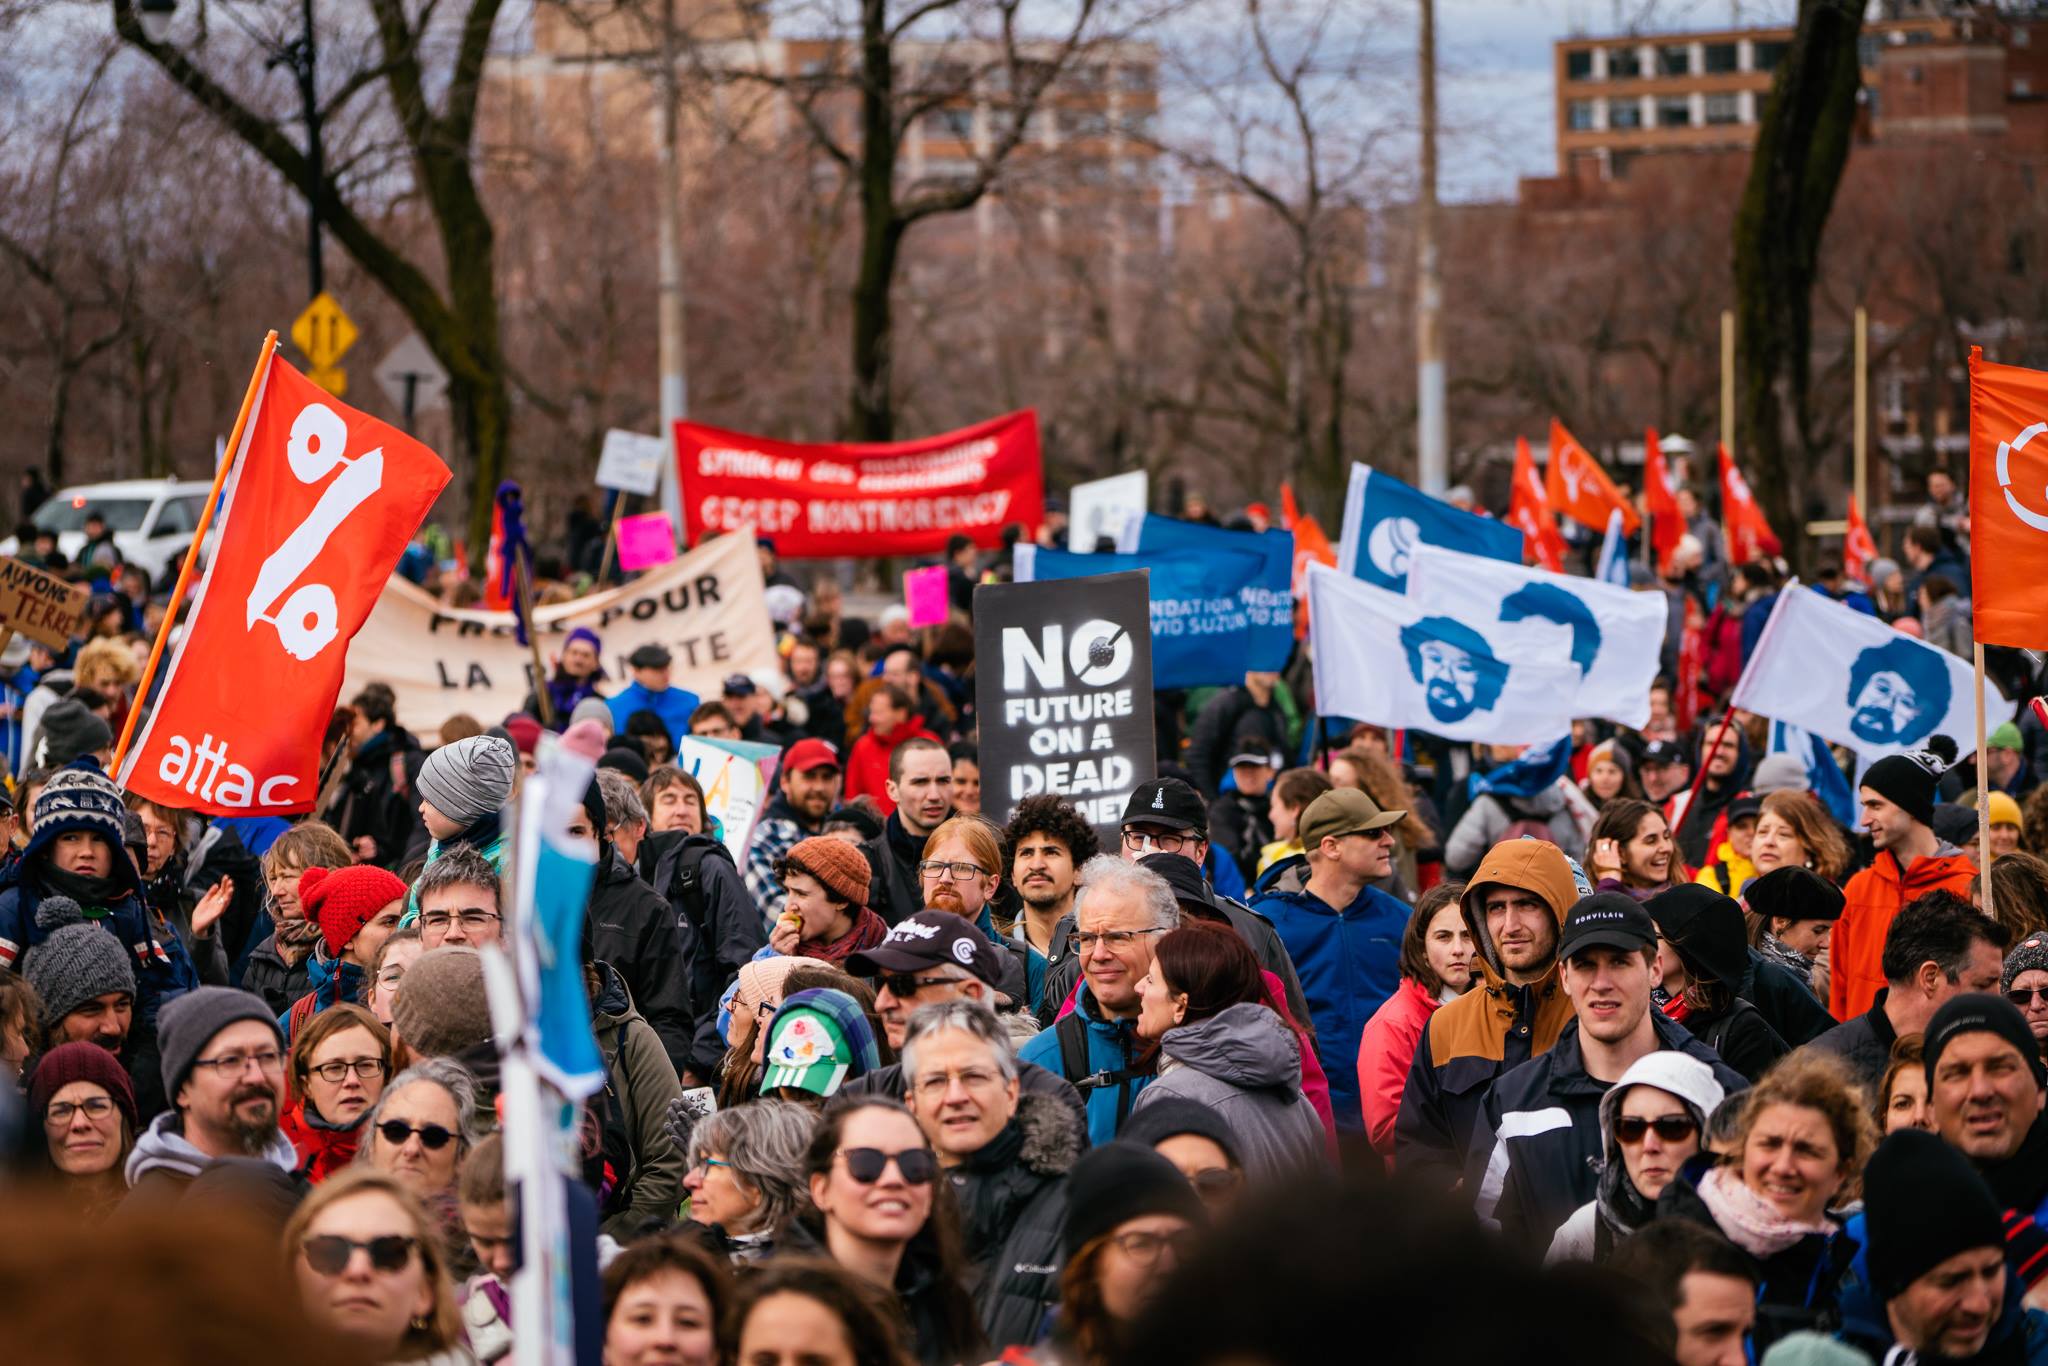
column 867, row 764
column 1386, row 1050
column 322, row 1151
column 1872, row 898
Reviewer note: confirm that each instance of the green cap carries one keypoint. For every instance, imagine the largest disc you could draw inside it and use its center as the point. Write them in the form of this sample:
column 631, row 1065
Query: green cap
column 2007, row 736
column 1343, row 811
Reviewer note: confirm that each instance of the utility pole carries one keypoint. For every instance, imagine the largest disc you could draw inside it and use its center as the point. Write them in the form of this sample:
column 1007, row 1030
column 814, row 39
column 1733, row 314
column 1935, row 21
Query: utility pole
column 1431, row 438
column 675, row 383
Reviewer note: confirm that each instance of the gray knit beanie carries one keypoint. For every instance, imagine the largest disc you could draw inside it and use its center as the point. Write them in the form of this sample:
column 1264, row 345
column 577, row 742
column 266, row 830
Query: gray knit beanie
column 185, row 1026
column 77, row 961
column 470, row 779
column 593, row 709
column 2029, row 953
column 69, row 730
column 441, row 1009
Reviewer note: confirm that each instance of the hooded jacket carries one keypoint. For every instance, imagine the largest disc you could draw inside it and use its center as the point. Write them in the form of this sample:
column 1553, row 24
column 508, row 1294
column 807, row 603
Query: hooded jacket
column 1489, row 1029
column 1871, row 899
column 1012, row 1199
column 1540, row 1134
column 164, row 1161
column 718, row 924
column 1244, row 1064
column 1618, row 1208
column 1112, row 1052
column 1487, row 819
column 1349, row 962
column 1695, row 815
column 630, row 927
column 369, row 803
column 867, row 762
column 639, row 1082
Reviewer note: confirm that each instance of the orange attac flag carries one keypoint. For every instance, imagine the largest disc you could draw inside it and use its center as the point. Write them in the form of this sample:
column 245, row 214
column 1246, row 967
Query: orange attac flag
column 1667, row 524
column 1529, row 509
column 1579, row 489
column 1311, row 545
column 1749, row 536
column 2008, row 503
column 1859, row 547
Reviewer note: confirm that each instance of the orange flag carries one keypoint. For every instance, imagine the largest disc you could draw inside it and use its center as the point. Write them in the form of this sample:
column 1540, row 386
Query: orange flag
column 1529, row 509
column 1859, row 547
column 1666, row 522
column 1749, row 536
column 1311, row 545
column 1580, row 489
column 2008, row 503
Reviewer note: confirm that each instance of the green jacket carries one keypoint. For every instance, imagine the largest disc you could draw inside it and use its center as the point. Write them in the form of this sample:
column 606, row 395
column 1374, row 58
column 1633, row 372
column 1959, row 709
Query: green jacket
column 640, row 1081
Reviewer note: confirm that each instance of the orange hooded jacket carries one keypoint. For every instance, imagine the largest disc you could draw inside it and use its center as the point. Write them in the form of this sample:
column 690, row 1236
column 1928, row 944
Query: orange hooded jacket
column 1872, row 898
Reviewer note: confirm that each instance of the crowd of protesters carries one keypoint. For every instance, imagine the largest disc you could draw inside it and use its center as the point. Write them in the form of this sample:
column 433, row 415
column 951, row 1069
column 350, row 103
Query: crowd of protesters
column 1657, row 1059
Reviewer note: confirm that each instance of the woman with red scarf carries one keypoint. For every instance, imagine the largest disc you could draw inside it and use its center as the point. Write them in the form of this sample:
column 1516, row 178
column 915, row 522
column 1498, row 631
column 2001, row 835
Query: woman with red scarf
column 825, row 913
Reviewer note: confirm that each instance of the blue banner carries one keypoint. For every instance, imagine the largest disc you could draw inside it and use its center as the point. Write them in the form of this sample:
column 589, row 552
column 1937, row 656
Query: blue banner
column 1201, row 628
column 1268, row 599
column 1535, row 770
column 1385, row 519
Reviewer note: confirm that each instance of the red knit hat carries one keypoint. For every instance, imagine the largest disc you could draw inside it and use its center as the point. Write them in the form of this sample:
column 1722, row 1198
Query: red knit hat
column 343, row 900
column 69, row 1062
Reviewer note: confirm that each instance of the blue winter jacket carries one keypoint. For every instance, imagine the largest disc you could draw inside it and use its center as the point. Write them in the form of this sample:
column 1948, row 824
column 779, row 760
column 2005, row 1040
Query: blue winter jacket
column 1112, row 1046
column 1349, row 963
column 163, row 970
column 672, row 705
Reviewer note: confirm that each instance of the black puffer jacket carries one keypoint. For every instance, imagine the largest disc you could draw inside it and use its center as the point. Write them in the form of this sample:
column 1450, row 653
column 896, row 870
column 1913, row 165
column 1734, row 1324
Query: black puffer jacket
column 630, row 927
column 1012, row 1197
column 1785, row 1001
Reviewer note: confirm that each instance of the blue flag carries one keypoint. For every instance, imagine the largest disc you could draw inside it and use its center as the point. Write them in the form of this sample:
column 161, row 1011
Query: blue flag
column 1384, row 519
column 1201, row 629
column 1824, row 777
column 1535, row 770
column 1613, row 565
column 1268, row 598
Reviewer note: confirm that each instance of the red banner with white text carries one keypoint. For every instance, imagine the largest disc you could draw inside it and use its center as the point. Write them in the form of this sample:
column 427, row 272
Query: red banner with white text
column 899, row 498
column 318, row 508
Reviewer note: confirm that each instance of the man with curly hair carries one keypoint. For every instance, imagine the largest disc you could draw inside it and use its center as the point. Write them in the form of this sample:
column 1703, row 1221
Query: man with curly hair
column 1049, row 843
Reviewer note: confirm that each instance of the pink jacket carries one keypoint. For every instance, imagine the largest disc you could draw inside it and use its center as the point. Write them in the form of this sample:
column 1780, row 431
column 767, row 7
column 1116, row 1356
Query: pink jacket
column 1385, row 1051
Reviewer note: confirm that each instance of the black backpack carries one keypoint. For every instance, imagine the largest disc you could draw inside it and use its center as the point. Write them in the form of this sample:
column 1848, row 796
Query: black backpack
column 1072, row 1032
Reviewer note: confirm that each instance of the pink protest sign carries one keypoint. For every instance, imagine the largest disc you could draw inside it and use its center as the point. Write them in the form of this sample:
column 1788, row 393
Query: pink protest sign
column 646, row 540
column 924, row 593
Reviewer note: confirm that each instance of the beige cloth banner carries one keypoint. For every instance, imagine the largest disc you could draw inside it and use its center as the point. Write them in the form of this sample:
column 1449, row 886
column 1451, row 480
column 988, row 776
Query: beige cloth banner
column 706, row 607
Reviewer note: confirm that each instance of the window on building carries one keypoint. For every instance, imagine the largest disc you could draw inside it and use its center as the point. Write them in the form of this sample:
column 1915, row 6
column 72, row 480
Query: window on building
column 1619, row 163
column 1724, row 108
column 1674, row 111
column 1624, row 63
column 2022, row 36
column 1578, row 64
column 1625, row 113
column 1578, row 116
column 1768, row 55
column 1721, row 58
column 1866, row 49
column 1675, row 59
column 951, row 125
column 2021, row 87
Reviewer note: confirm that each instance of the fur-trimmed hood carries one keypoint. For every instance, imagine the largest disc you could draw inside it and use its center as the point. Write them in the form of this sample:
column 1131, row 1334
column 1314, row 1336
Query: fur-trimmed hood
column 1051, row 1147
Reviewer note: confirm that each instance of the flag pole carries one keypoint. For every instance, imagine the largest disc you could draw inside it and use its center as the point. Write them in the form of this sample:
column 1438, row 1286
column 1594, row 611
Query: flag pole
column 1983, row 785
column 220, row 479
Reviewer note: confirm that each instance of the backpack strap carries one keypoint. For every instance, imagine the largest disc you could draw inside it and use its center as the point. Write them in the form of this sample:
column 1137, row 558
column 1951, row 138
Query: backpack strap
column 1072, row 1031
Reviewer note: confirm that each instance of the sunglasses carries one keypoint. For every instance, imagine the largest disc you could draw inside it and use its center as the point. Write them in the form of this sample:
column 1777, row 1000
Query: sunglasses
column 866, row 1165
column 1671, row 1128
column 328, row 1253
column 2025, row 996
column 432, row 1136
column 904, row 985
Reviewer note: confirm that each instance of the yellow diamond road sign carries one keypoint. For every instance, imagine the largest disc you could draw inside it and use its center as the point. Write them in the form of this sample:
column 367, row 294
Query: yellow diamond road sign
column 323, row 332
column 332, row 378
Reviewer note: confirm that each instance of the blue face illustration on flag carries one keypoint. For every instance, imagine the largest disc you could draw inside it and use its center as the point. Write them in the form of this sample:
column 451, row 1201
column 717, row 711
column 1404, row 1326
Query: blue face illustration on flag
column 1898, row 693
column 1385, row 519
column 1457, row 669
column 1548, row 602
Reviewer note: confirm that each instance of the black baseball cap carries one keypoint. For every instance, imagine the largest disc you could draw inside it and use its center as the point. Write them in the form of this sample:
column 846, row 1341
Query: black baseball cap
column 1664, row 752
column 739, row 685
column 1608, row 920
column 650, row 657
column 1746, row 807
column 1170, row 802
column 927, row 940
column 1184, row 876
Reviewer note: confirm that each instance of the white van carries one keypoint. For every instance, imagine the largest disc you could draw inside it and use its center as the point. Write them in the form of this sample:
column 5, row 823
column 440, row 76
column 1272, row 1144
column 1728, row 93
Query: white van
column 152, row 519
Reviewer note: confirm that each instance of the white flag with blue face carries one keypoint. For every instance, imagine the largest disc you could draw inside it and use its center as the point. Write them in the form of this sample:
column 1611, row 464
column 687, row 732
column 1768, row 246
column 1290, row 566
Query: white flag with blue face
column 1851, row 679
column 1612, row 637
column 1385, row 519
column 1383, row 658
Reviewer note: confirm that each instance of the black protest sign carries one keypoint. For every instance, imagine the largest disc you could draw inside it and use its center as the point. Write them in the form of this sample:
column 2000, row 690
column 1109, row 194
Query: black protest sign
column 1063, row 689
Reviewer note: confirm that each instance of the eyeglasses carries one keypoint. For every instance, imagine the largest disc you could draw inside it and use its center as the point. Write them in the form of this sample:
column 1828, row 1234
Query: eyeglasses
column 701, row 1163
column 934, row 1085
column 432, row 1136
column 933, row 869
column 904, row 985
column 59, row 1115
column 1113, row 939
column 1212, row 1183
column 866, row 1165
column 231, row 1064
column 2026, row 996
column 336, row 1072
column 329, row 1253
column 1144, row 1248
column 472, row 918
column 1630, row 1129
column 1137, row 840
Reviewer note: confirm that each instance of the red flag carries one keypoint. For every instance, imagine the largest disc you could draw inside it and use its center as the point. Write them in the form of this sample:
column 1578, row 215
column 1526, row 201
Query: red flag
column 496, row 599
column 1667, row 524
column 1859, row 547
column 1692, row 653
column 1579, row 489
column 1311, row 545
column 1529, row 509
column 1749, row 536
column 319, row 506
column 2008, row 526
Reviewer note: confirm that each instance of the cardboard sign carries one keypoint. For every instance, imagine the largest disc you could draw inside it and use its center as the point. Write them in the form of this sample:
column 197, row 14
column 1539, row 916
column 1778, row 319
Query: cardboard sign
column 1064, row 693
column 1101, row 507
column 924, row 593
column 41, row 606
column 646, row 540
column 630, row 462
